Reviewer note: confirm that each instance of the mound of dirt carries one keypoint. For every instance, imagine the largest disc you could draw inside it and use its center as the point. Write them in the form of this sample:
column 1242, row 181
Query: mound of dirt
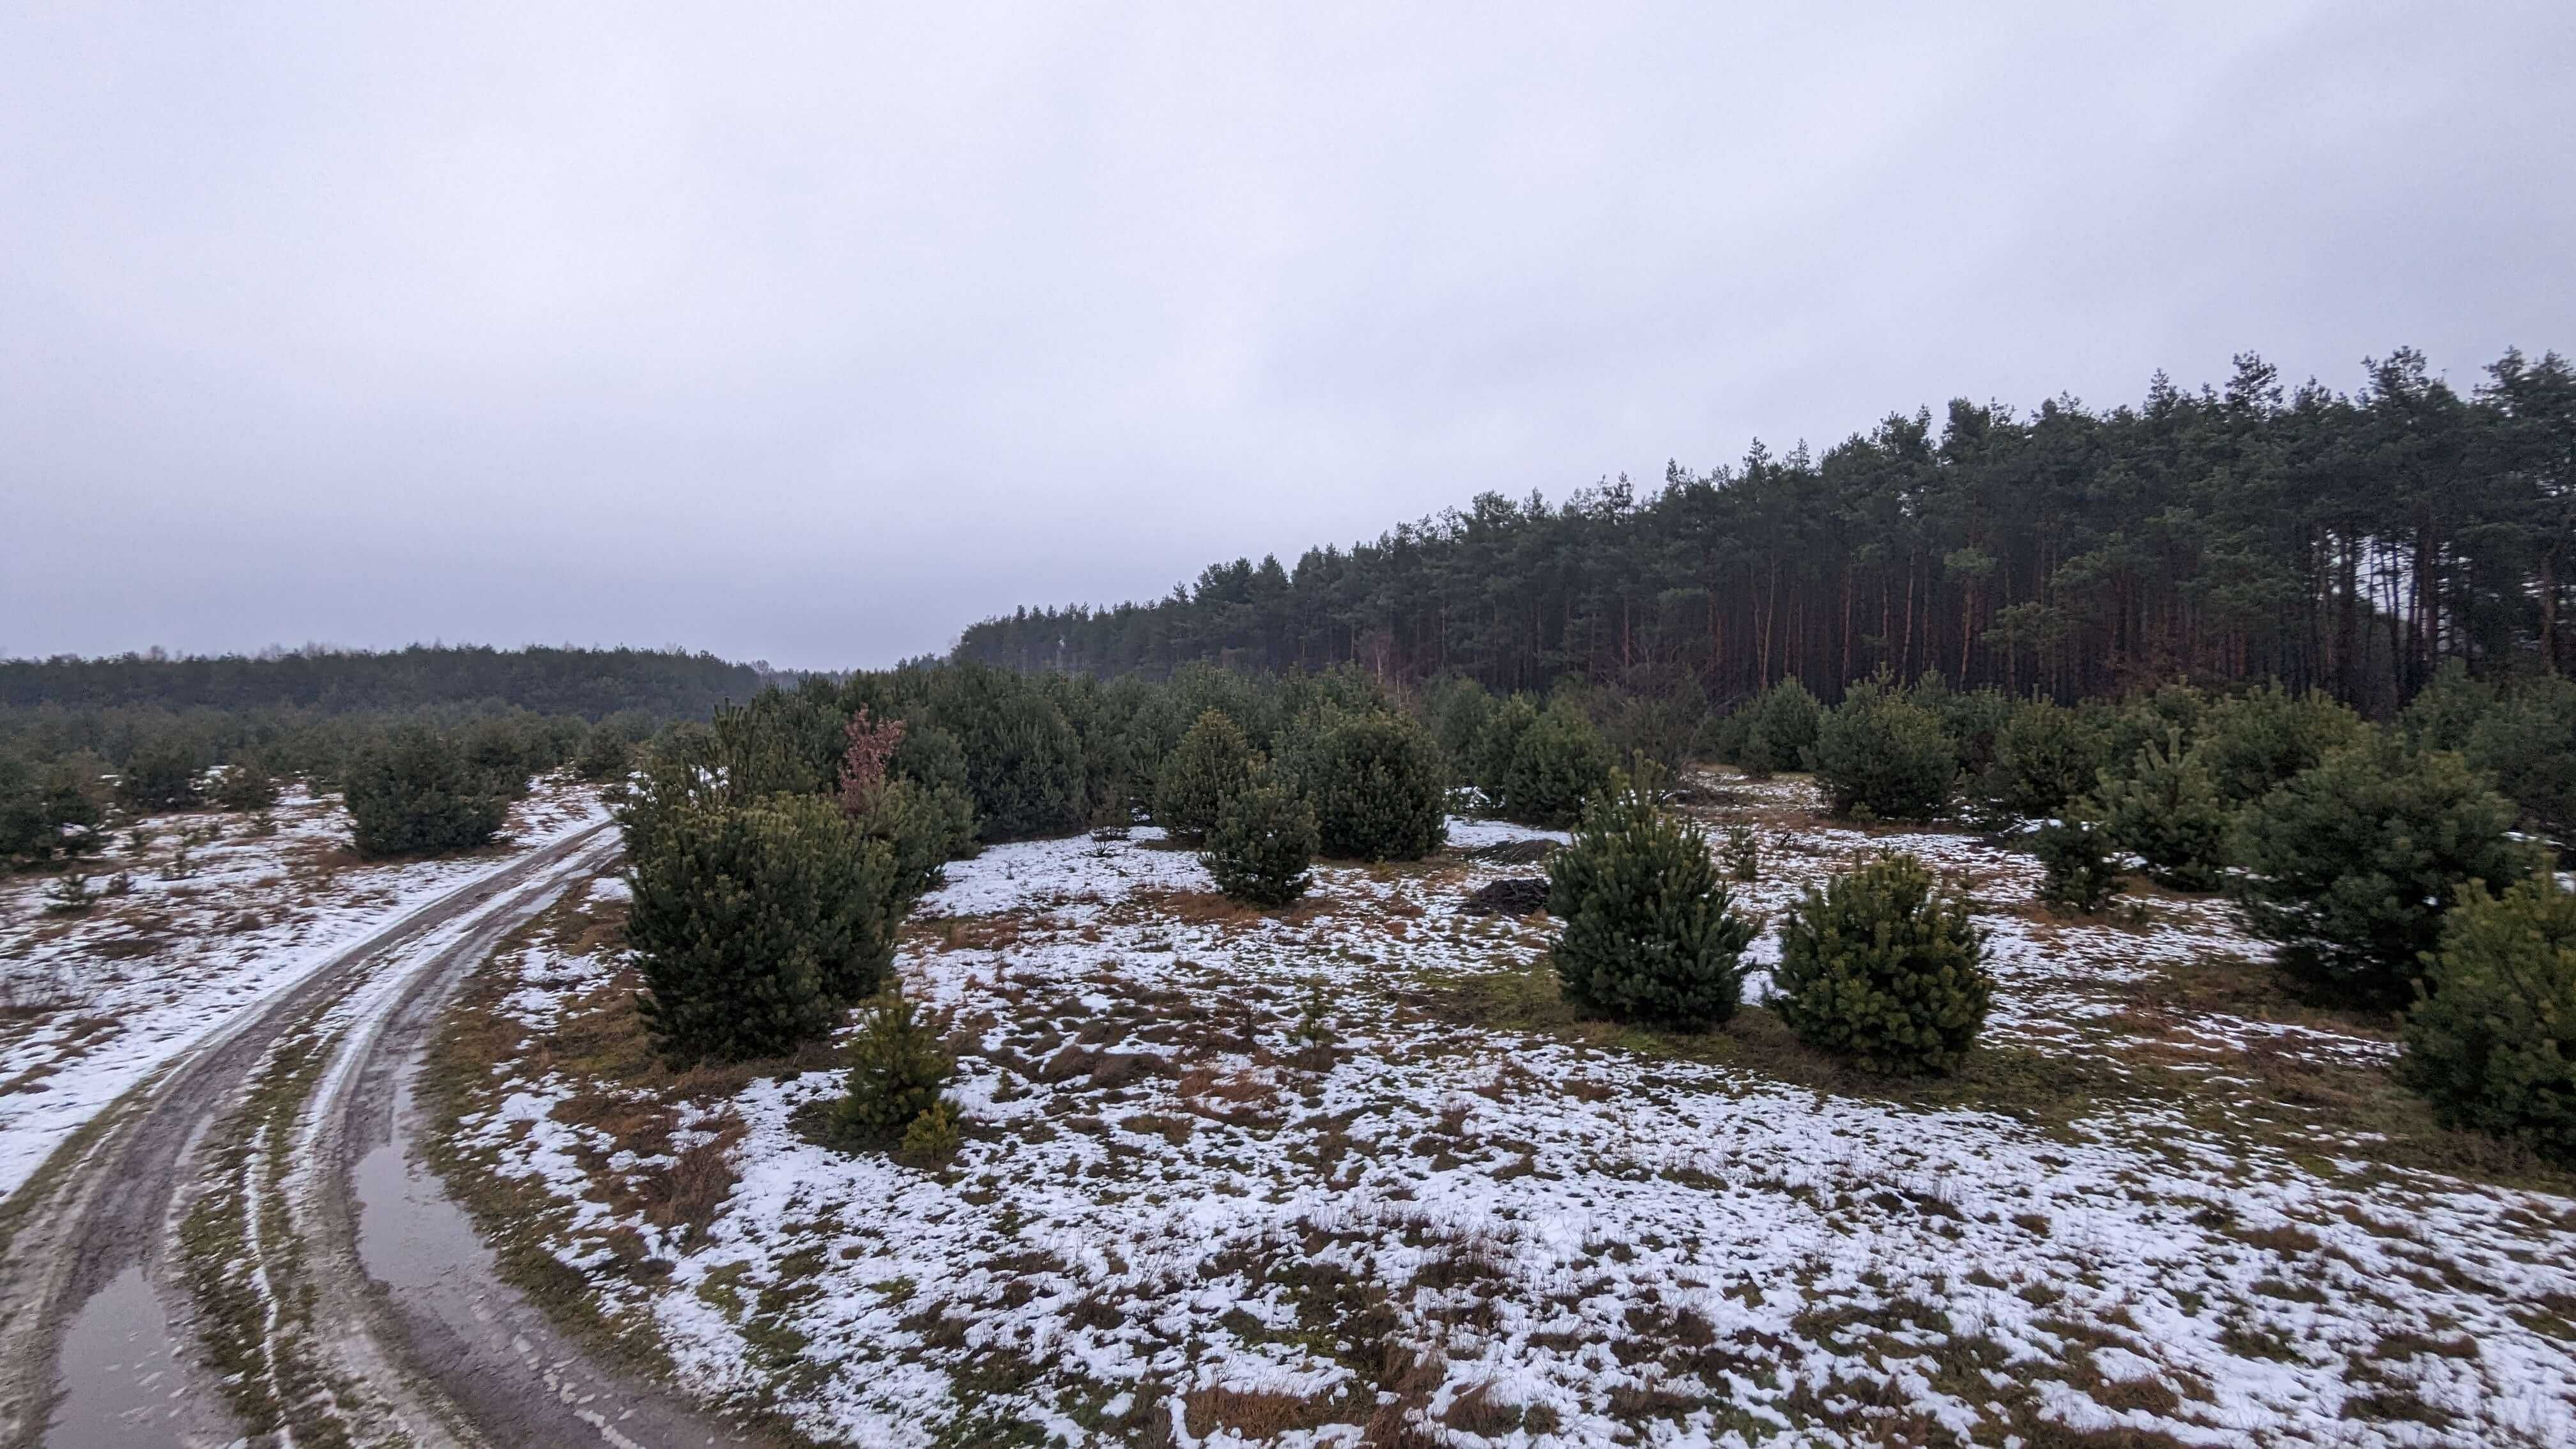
column 1518, row 896
column 1514, row 852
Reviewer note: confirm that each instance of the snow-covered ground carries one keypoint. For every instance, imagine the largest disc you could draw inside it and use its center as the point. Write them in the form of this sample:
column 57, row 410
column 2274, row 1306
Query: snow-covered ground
column 205, row 930
column 1175, row 1220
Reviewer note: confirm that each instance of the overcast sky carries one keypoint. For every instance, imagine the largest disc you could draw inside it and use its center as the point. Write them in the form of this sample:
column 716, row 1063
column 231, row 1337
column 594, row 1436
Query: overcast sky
column 814, row 334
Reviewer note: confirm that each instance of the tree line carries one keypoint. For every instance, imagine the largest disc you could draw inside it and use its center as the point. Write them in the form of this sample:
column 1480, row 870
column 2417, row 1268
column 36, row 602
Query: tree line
column 775, row 852
column 83, row 738
column 2345, row 543
column 590, row 683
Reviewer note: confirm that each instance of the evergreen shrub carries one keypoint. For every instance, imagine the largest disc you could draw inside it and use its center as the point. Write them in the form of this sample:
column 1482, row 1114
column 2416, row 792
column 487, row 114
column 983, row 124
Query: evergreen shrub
column 1555, row 765
column 2045, row 756
column 1880, row 754
column 2350, row 867
column 22, row 817
column 1779, row 728
column 605, row 755
column 2166, row 810
column 1657, row 727
column 1375, row 782
column 1457, row 709
column 2527, row 742
column 53, row 809
column 70, row 895
column 1497, row 740
column 2080, row 870
column 246, row 787
column 2530, row 747
column 2493, row 1044
column 925, row 827
column 2446, row 710
column 160, row 774
column 897, row 1071
column 1721, row 736
column 1212, row 764
column 1646, row 930
column 1971, row 719
column 506, row 752
column 1743, row 853
column 933, row 1136
column 1264, row 840
column 753, row 922
column 2263, row 738
column 1022, row 758
column 2148, row 719
column 412, row 792
column 1884, row 966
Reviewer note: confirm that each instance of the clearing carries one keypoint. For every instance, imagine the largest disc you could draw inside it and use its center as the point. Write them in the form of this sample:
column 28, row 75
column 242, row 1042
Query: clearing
column 1352, row 1172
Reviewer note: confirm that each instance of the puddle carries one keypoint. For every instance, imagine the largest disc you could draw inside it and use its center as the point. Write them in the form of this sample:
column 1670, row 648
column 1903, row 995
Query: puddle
column 413, row 1238
column 416, row 1241
column 122, row 1388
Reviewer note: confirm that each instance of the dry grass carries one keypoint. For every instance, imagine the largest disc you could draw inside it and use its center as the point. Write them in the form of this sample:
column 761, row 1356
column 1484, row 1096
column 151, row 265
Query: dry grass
column 2297, row 1102
column 695, row 1185
column 1476, row 1411
column 1241, row 1097
column 1252, row 1413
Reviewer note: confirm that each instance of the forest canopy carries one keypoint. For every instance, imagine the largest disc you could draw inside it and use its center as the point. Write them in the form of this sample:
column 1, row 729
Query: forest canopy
column 591, row 683
column 2344, row 542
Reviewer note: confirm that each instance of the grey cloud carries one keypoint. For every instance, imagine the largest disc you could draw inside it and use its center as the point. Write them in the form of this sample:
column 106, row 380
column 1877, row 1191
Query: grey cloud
column 816, row 334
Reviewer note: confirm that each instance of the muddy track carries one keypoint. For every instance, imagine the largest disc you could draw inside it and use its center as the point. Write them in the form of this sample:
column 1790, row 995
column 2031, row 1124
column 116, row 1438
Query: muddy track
column 392, row 1256
column 109, row 1201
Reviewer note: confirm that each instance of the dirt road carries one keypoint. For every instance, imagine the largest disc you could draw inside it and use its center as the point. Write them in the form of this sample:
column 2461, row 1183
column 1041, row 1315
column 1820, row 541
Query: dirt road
column 241, row 1249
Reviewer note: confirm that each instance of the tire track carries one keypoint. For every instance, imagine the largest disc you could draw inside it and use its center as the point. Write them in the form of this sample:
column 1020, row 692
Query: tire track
column 107, row 1202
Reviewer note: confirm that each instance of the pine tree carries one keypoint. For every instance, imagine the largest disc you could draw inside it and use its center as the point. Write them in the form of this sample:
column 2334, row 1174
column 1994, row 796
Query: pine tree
column 2080, row 870
column 1374, row 780
column 246, row 787
column 2351, row 866
column 22, row 819
column 1780, row 727
column 2045, row 756
column 1497, row 741
column 865, row 760
column 1879, row 755
column 2172, row 712
column 2528, row 743
column 52, row 809
column 897, row 1071
column 2491, row 1042
column 924, row 827
column 1556, row 764
column 1972, row 720
column 1457, row 709
column 70, row 895
column 2446, row 711
column 1212, row 763
column 1646, row 930
column 73, row 798
column 1884, row 967
column 1265, row 837
column 161, row 774
column 412, row 792
column 605, row 755
column 505, row 752
column 753, row 922
column 933, row 1137
column 1023, row 758
column 2166, row 811
column 2266, row 736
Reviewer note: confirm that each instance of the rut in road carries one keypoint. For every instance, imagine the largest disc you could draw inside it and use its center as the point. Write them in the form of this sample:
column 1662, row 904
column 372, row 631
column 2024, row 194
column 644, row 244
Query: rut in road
column 266, row 1120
